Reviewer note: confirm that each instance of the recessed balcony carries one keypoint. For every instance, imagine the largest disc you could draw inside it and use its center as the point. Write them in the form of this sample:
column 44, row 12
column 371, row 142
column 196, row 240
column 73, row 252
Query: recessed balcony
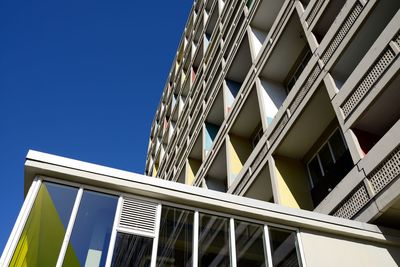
column 261, row 23
column 312, row 158
column 261, row 187
column 216, row 177
column 363, row 39
column 289, row 57
column 243, row 135
column 379, row 117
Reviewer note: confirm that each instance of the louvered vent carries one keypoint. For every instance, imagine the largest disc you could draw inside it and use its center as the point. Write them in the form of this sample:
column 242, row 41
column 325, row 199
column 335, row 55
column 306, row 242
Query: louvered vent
column 138, row 215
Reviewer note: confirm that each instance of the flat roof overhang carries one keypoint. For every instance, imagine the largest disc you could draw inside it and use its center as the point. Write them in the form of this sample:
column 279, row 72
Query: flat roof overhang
column 47, row 165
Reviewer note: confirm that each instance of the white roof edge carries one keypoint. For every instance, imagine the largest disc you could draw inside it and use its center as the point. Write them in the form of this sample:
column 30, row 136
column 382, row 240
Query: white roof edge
column 190, row 191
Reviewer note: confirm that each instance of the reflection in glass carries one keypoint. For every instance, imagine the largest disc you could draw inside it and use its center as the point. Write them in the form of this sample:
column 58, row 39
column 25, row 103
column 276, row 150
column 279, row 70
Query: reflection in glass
column 213, row 241
column 91, row 233
column 249, row 244
column 132, row 250
column 44, row 231
column 284, row 247
column 175, row 238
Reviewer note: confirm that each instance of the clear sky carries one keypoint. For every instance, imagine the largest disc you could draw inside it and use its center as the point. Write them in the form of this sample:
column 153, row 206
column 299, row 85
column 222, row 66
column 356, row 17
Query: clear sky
column 80, row 79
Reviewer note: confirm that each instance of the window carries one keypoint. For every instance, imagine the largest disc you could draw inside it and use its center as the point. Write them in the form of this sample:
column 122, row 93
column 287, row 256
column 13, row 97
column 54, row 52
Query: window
column 175, row 237
column 213, row 241
column 44, row 231
column 91, row 234
column 284, row 247
column 250, row 250
column 132, row 250
column 295, row 74
column 75, row 226
column 329, row 165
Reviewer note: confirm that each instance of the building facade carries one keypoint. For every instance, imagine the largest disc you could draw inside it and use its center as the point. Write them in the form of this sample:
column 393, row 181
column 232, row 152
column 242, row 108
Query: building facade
column 82, row 214
column 275, row 116
column 290, row 102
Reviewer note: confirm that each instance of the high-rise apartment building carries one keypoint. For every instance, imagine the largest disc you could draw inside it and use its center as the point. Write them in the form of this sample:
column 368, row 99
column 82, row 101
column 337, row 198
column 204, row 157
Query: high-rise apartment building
column 290, row 102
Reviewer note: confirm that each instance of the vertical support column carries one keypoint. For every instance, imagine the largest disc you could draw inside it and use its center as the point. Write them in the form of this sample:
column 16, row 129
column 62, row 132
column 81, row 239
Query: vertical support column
column 195, row 247
column 232, row 243
column 70, row 226
column 20, row 223
column 267, row 247
column 300, row 252
column 114, row 232
column 155, row 239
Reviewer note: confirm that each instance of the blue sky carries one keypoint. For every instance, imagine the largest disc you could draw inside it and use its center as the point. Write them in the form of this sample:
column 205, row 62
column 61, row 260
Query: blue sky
column 80, row 79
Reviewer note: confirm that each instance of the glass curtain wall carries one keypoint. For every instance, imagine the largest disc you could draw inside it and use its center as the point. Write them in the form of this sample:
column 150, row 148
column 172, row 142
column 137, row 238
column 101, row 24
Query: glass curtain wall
column 132, row 250
column 44, row 231
column 91, row 234
column 250, row 250
column 175, row 237
column 213, row 241
column 46, row 226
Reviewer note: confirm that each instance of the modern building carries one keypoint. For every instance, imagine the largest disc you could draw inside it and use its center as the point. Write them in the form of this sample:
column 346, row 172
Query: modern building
column 82, row 214
column 290, row 102
column 276, row 115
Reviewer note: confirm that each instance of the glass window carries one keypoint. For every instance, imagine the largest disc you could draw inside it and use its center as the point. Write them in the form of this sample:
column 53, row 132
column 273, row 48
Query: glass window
column 249, row 244
column 337, row 145
column 315, row 170
column 175, row 238
column 92, row 229
column 213, row 241
column 284, row 247
column 326, row 158
column 44, row 231
column 132, row 250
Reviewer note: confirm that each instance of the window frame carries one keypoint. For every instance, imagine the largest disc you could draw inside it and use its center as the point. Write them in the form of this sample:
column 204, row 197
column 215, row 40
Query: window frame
column 316, row 154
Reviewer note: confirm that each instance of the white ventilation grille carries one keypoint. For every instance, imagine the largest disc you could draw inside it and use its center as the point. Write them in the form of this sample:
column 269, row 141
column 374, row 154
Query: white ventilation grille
column 138, row 215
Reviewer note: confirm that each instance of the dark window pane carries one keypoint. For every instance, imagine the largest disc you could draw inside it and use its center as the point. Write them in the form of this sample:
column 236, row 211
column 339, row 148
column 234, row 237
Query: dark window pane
column 213, row 241
column 315, row 170
column 326, row 158
column 249, row 244
column 132, row 250
column 91, row 233
column 44, row 231
column 337, row 145
column 284, row 247
column 175, row 238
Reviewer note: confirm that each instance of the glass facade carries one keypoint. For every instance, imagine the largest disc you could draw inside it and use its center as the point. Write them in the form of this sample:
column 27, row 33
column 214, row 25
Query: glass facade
column 132, row 250
column 250, row 250
column 91, row 234
column 213, row 241
column 90, row 231
column 175, row 237
column 284, row 247
column 44, row 231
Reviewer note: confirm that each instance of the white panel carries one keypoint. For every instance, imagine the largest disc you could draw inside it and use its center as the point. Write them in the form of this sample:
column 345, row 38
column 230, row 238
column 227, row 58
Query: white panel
column 138, row 215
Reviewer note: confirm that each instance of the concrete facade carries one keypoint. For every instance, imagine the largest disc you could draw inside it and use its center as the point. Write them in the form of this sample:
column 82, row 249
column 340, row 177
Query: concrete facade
column 296, row 97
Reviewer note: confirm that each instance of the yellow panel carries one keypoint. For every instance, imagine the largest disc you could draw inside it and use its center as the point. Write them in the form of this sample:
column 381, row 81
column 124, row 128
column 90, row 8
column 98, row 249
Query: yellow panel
column 292, row 184
column 192, row 169
column 189, row 175
column 43, row 234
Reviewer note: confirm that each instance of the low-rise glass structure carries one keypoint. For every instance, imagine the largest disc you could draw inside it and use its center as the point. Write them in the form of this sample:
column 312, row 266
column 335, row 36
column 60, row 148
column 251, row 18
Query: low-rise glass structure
column 81, row 214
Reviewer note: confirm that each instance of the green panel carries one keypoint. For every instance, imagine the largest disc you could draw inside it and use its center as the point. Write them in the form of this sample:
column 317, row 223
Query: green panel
column 44, row 231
